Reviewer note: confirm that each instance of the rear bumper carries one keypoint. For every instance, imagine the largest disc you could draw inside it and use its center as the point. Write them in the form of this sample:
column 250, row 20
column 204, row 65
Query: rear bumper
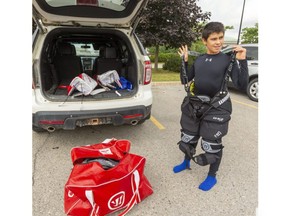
column 69, row 120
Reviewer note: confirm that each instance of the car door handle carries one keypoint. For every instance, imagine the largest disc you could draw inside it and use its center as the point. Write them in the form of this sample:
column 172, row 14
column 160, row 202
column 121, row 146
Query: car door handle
column 254, row 63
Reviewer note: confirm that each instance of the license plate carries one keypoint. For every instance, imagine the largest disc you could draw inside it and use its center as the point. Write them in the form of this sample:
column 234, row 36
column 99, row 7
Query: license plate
column 94, row 121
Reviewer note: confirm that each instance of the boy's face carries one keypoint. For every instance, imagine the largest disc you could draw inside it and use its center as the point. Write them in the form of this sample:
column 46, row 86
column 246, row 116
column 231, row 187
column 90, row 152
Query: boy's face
column 214, row 42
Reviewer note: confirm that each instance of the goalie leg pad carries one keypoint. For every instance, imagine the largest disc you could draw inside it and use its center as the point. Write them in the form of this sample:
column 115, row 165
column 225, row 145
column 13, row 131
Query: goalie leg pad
column 205, row 159
column 187, row 149
column 211, row 149
column 188, row 145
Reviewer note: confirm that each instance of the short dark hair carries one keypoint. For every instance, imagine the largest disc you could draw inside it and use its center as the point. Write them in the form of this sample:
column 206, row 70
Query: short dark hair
column 212, row 27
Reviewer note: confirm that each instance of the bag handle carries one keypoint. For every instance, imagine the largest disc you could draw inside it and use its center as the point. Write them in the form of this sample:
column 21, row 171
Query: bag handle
column 135, row 179
column 95, row 209
column 109, row 148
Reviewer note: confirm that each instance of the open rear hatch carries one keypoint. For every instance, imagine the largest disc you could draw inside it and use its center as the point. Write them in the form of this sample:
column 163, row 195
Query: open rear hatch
column 101, row 13
column 69, row 52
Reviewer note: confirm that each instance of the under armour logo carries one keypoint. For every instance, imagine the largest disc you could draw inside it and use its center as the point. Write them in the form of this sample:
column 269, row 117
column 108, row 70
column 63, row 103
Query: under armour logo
column 208, row 59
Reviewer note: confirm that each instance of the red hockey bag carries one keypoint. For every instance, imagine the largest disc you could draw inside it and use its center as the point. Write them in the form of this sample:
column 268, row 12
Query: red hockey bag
column 105, row 178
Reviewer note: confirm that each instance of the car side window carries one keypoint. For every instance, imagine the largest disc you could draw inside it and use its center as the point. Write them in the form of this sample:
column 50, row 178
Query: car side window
column 252, row 53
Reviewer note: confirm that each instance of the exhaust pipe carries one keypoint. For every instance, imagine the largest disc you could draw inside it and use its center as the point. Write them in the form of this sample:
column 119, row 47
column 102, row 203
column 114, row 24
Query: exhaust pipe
column 134, row 122
column 50, row 129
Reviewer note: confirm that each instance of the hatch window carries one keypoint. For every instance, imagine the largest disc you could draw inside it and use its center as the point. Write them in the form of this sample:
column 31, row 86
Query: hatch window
column 116, row 5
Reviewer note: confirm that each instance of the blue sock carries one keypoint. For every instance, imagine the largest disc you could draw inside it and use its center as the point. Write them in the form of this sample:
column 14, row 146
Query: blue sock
column 184, row 165
column 208, row 183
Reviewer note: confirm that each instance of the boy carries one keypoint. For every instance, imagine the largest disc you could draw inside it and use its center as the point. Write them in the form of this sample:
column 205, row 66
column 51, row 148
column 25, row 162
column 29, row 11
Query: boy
column 201, row 119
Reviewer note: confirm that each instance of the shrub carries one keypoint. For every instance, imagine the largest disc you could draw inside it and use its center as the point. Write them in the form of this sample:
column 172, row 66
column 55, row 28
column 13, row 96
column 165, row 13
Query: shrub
column 163, row 57
column 174, row 63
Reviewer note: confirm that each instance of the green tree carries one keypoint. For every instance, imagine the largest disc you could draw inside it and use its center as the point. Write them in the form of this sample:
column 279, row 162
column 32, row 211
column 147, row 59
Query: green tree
column 250, row 35
column 198, row 46
column 170, row 23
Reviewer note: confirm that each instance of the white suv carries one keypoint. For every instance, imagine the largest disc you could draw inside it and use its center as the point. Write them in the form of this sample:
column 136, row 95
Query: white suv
column 91, row 37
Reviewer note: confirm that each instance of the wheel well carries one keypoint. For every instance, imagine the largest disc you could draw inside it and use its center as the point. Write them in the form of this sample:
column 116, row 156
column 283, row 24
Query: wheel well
column 253, row 77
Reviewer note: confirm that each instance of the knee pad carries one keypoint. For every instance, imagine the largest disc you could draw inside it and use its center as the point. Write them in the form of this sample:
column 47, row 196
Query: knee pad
column 191, row 139
column 211, row 146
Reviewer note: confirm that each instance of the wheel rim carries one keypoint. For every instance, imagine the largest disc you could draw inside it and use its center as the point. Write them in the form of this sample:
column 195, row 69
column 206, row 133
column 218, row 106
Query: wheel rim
column 254, row 90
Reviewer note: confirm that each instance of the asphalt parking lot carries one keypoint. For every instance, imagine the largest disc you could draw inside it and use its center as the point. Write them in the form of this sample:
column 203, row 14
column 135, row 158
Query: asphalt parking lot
column 236, row 192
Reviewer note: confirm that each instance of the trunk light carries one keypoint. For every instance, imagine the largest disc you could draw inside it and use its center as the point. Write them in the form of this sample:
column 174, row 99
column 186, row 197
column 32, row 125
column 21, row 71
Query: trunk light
column 147, row 72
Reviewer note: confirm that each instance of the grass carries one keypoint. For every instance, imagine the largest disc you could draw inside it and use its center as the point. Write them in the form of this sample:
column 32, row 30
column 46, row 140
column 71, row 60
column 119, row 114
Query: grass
column 164, row 76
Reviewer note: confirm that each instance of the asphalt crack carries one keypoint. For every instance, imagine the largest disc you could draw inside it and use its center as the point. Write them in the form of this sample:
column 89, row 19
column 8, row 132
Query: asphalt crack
column 35, row 158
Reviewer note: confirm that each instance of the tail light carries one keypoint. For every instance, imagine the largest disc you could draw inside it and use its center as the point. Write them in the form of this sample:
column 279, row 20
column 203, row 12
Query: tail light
column 147, row 72
column 133, row 116
column 51, row 122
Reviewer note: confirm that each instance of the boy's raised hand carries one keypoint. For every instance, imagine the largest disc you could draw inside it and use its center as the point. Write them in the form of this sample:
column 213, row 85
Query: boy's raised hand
column 183, row 50
column 240, row 52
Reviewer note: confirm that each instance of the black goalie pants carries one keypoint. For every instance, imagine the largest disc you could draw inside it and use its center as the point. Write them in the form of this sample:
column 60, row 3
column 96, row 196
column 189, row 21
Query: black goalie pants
column 207, row 124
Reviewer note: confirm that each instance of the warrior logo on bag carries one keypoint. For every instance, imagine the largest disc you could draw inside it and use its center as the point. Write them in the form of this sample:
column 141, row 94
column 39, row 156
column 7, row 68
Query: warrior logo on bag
column 105, row 151
column 116, row 201
column 70, row 194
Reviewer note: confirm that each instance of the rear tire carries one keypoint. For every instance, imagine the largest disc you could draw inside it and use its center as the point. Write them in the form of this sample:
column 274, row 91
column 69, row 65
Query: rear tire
column 252, row 90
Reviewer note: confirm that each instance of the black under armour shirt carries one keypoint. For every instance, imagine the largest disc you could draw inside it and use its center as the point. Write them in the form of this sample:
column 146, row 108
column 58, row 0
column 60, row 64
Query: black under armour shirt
column 208, row 73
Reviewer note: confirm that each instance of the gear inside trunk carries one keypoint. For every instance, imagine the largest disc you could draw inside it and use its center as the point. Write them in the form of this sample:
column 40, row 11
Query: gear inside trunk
column 70, row 52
